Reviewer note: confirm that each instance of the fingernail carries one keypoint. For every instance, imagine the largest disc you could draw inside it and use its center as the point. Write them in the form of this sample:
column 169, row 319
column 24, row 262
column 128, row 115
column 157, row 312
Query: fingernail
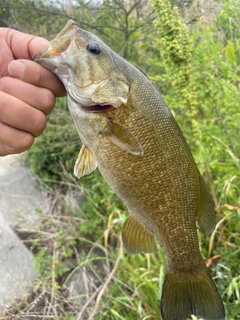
column 15, row 69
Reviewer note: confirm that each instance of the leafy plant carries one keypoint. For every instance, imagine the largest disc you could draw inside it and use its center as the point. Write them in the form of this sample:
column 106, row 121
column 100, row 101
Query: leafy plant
column 197, row 71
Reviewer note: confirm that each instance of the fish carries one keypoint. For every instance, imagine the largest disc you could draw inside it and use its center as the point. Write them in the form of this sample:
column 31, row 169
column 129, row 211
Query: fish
column 130, row 135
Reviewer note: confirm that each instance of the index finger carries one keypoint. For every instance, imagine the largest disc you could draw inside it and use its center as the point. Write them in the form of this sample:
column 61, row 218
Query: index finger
column 25, row 46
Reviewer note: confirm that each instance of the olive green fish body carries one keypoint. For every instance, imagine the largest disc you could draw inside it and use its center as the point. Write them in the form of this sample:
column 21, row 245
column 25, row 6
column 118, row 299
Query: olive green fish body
column 160, row 187
column 129, row 133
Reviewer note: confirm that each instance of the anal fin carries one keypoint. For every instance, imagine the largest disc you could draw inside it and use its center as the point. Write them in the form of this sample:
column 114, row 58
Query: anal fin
column 85, row 163
column 136, row 237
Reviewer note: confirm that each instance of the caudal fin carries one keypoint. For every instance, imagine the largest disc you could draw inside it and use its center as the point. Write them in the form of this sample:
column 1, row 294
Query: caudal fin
column 188, row 293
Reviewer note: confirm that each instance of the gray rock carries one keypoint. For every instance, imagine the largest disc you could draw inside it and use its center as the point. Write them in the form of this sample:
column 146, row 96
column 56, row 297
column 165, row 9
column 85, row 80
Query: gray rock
column 20, row 200
column 83, row 281
column 8, row 164
column 16, row 266
column 74, row 198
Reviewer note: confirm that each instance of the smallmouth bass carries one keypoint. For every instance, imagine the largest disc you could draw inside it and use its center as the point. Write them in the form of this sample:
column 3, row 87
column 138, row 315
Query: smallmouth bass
column 129, row 133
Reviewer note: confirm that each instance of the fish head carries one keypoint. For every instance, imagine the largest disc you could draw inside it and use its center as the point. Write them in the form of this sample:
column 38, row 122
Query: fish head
column 87, row 67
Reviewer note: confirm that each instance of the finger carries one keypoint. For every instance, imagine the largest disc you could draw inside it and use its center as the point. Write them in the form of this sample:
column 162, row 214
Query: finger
column 20, row 115
column 13, row 140
column 23, row 45
column 32, row 72
column 39, row 98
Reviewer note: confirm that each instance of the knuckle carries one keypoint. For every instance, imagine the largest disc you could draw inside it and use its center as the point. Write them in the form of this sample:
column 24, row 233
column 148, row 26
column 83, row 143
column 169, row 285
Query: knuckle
column 25, row 141
column 49, row 99
column 4, row 102
column 44, row 100
column 4, row 84
column 42, row 76
column 39, row 123
column 12, row 141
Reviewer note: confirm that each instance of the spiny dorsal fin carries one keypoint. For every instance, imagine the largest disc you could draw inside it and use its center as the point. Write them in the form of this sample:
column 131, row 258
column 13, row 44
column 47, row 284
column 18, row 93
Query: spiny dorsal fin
column 123, row 138
column 206, row 216
column 85, row 163
column 136, row 238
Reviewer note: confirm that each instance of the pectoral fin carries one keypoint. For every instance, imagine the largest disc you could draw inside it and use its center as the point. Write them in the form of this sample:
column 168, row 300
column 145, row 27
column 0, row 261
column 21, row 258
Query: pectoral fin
column 136, row 238
column 123, row 138
column 206, row 216
column 85, row 163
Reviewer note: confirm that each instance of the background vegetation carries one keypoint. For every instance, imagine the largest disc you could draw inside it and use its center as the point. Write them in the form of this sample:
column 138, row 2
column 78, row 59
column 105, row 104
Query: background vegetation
column 191, row 54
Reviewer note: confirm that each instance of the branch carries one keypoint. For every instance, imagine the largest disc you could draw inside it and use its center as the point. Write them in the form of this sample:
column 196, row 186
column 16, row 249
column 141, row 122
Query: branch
column 99, row 297
column 218, row 225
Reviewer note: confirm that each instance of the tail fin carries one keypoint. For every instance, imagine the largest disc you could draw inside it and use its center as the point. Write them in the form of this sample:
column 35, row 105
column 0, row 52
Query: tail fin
column 188, row 293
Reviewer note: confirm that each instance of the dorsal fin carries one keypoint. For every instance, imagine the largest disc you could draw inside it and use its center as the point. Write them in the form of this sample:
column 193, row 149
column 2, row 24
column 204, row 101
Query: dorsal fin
column 206, row 216
column 136, row 237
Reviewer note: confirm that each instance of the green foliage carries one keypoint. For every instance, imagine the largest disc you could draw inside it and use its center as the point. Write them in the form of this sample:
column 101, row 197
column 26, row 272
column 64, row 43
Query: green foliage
column 174, row 42
column 198, row 74
column 228, row 21
column 176, row 56
column 54, row 153
column 227, row 270
column 135, row 292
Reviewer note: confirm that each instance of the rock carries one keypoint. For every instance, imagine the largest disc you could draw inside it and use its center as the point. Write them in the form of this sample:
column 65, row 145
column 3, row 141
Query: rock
column 74, row 198
column 20, row 200
column 16, row 266
column 8, row 164
column 83, row 282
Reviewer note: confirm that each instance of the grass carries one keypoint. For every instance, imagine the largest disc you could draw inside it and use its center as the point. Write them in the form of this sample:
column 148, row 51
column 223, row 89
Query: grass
column 117, row 285
column 87, row 241
column 84, row 242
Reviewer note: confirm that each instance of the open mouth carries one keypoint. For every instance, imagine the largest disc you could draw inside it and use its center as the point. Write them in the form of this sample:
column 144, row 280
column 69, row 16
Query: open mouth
column 98, row 108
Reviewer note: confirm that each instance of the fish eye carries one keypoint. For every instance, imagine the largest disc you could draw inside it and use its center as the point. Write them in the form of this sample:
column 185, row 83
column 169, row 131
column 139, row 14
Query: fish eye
column 94, row 48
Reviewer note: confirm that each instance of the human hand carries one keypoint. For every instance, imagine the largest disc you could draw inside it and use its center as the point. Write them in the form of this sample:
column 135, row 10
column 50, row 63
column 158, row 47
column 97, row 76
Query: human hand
column 27, row 91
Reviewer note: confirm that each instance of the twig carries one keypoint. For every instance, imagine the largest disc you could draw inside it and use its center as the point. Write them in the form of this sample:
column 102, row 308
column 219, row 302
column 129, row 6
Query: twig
column 209, row 261
column 99, row 297
column 214, row 232
column 79, row 316
column 231, row 207
column 35, row 302
column 52, row 299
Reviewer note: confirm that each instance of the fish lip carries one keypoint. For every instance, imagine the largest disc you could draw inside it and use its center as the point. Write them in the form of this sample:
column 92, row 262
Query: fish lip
column 45, row 54
column 71, row 25
column 37, row 57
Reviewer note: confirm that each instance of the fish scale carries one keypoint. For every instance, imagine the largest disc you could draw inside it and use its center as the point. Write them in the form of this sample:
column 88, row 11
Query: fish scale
column 142, row 154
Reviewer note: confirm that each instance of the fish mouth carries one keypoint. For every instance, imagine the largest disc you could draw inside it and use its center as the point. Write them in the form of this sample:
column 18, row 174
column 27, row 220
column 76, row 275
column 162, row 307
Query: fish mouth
column 79, row 89
column 60, row 43
column 98, row 108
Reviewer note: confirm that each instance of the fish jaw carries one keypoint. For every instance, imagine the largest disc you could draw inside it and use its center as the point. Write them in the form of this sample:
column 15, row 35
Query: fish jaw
column 85, row 75
column 51, row 57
